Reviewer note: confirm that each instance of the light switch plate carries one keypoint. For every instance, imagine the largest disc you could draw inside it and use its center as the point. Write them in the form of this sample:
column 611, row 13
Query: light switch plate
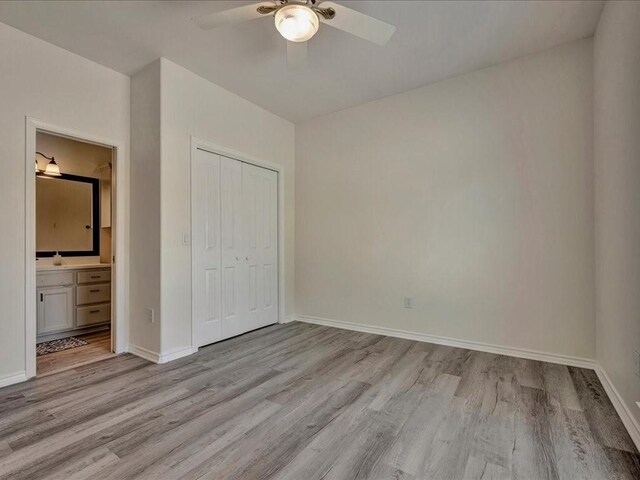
column 408, row 302
column 186, row 239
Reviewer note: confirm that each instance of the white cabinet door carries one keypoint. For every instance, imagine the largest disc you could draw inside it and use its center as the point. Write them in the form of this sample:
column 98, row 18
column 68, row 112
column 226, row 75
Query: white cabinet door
column 55, row 309
column 260, row 200
column 207, row 286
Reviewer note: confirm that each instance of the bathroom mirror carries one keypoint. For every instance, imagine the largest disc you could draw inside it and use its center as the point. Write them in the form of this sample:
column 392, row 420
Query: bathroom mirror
column 67, row 216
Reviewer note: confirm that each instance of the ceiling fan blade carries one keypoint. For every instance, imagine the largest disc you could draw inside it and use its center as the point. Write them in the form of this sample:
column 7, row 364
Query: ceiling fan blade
column 358, row 24
column 233, row 15
column 296, row 55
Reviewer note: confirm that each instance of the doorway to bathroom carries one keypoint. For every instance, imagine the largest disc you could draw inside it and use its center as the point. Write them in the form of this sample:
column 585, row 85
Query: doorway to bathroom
column 72, row 229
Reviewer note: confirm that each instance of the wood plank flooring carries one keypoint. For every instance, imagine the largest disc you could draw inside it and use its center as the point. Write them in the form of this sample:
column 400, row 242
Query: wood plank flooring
column 303, row 402
column 98, row 348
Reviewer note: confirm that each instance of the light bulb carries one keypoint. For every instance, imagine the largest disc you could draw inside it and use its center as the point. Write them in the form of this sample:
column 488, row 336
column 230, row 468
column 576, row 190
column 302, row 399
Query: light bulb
column 297, row 23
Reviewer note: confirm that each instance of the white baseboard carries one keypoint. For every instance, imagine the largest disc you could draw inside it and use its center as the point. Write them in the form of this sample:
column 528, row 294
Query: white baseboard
column 454, row 342
column 160, row 357
column 12, row 378
column 176, row 354
column 624, row 412
column 288, row 319
column 144, row 353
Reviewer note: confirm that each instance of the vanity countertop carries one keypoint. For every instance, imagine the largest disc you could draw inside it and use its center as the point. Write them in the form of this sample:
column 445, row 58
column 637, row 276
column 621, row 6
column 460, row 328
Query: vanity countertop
column 50, row 268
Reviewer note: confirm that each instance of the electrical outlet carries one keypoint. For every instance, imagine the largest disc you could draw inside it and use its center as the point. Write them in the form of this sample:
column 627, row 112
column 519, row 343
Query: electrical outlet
column 150, row 315
column 636, row 362
column 408, row 302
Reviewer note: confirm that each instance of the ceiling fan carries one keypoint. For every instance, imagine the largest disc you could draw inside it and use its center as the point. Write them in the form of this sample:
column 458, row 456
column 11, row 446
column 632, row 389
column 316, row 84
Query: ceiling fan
column 299, row 20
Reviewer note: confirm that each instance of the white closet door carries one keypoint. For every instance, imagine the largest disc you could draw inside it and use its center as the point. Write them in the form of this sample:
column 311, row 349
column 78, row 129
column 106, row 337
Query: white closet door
column 207, row 287
column 234, row 304
column 260, row 201
column 235, row 247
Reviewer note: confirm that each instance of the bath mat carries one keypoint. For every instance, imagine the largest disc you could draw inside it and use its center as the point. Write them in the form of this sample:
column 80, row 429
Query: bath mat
column 58, row 345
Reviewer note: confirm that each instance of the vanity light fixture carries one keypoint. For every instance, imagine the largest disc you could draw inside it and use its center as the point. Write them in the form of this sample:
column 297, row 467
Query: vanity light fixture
column 52, row 170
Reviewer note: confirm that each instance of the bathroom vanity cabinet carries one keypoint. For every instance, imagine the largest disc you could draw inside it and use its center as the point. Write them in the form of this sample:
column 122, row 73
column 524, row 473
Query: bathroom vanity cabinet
column 72, row 300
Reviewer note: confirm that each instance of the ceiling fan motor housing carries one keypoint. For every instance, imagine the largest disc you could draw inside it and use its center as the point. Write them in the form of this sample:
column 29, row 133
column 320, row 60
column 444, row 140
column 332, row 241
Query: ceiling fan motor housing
column 326, row 13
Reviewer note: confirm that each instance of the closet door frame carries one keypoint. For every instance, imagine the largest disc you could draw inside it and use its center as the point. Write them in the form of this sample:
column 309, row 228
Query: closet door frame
column 199, row 144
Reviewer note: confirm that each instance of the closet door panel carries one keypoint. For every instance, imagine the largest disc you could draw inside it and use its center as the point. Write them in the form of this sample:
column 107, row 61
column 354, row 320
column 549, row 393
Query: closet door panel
column 250, row 185
column 269, row 243
column 234, row 304
column 231, row 214
column 206, row 248
column 260, row 188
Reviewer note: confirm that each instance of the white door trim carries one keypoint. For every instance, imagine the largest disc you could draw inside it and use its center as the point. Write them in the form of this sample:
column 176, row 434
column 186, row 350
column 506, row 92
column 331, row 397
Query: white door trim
column 197, row 143
column 119, row 319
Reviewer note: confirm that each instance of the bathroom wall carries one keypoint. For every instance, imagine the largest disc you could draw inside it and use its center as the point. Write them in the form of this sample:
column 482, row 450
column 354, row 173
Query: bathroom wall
column 63, row 211
column 83, row 159
column 73, row 157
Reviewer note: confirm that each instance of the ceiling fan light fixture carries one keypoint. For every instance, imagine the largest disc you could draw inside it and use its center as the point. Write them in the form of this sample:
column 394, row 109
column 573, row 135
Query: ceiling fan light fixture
column 297, row 23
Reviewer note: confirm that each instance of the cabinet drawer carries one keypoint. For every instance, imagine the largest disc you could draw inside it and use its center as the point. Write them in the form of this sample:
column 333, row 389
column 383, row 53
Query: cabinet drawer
column 54, row 279
column 96, row 276
column 93, row 314
column 93, row 294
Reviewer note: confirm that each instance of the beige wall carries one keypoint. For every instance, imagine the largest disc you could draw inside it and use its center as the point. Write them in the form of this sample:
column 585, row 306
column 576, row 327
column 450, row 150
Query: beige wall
column 72, row 92
column 617, row 195
column 474, row 196
column 192, row 105
column 169, row 105
column 63, row 210
column 75, row 158
column 145, row 208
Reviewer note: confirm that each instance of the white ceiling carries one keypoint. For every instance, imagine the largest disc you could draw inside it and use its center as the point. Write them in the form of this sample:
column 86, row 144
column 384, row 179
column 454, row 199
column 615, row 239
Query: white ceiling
column 433, row 41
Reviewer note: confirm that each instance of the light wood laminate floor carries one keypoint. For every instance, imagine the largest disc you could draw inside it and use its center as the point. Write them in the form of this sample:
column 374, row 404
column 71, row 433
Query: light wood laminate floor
column 305, row 402
column 98, row 348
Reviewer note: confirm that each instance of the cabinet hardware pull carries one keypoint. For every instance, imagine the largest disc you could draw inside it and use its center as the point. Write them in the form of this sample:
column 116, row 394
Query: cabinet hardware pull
column 94, row 311
column 95, row 276
column 41, row 297
column 94, row 291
